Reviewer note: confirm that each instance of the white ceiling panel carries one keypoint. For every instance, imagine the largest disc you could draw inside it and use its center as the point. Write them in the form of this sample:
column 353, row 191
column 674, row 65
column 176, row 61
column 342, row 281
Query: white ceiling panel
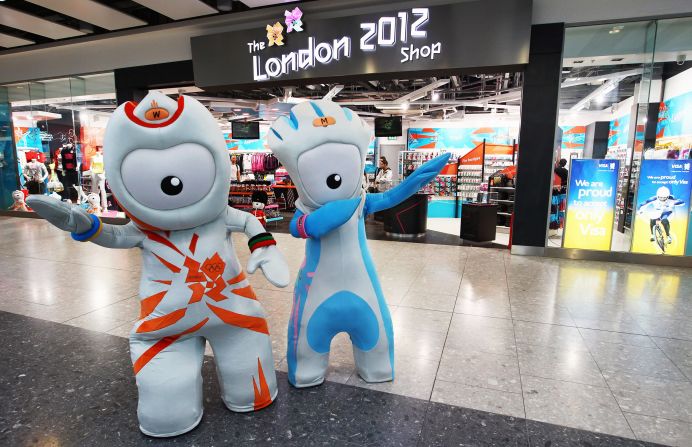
column 36, row 25
column 91, row 12
column 179, row 9
column 8, row 41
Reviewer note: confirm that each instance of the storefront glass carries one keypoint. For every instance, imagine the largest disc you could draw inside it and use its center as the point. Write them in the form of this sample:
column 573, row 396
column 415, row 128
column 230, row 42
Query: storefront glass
column 622, row 172
column 53, row 147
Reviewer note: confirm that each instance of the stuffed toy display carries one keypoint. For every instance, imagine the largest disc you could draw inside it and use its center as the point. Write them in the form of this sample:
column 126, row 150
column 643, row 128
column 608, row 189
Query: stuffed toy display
column 323, row 147
column 19, row 203
column 167, row 165
column 259, row 201
column 93, row 201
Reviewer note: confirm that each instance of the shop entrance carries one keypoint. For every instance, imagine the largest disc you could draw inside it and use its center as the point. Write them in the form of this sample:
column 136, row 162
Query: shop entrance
column 474, row 117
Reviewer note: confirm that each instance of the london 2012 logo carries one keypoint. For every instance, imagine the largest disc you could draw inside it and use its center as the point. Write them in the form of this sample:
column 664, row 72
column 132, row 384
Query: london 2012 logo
column 404, row 29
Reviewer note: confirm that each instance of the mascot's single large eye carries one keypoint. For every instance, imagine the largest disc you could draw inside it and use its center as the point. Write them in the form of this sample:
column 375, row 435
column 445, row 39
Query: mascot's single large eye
column 331, row 171
column 334, row 181
column 171, row 185
column 168, row 179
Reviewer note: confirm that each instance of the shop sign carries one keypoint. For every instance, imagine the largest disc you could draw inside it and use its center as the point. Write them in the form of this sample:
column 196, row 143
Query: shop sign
column 591, row 204
column 298, row 46
column 657, row 216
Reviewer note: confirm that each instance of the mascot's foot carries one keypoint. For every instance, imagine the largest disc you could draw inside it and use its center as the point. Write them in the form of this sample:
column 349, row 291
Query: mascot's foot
column 316, row 382
column 376, row 378
column 175, row 433
column 253, row 407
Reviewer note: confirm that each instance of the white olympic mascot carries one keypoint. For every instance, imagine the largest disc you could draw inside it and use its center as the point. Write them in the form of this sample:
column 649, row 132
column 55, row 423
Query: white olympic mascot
column 168, row 167
column 323, row 148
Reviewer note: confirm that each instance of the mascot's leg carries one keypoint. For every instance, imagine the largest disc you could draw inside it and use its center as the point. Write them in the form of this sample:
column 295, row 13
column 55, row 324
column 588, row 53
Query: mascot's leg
column 377, row 364
column 306, row 367
column 169, row 380
column 245, row 366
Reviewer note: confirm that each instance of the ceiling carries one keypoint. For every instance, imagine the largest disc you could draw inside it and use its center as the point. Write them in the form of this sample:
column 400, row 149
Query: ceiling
column 30, row 22
column 420, row 98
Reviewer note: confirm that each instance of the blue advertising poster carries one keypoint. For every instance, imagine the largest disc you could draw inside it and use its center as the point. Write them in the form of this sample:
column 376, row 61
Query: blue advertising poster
column 674, row 117
column 573, row 137
column 29, row 138
column 591, row 204
column 247, row 145
column 617, row 134
column 456, row 137
column 662, row 207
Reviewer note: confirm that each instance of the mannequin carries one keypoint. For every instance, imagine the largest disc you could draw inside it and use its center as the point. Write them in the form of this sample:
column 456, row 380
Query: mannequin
column 98, row 177
column 259, row 201
column 35, row 174
column 68, row 158
column 235, row 170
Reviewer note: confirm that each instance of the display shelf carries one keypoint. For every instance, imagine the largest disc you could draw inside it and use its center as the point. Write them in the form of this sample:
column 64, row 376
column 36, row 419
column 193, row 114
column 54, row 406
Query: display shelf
column 504, row 199
column 443, row 186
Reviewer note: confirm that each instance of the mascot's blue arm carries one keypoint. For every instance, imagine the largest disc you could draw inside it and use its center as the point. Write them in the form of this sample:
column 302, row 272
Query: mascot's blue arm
column 325, row 218
column 407, row 188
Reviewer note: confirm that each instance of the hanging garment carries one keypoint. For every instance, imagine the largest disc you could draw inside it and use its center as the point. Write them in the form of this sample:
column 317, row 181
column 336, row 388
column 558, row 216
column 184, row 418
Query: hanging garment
column 68, row 156
column 271, row 163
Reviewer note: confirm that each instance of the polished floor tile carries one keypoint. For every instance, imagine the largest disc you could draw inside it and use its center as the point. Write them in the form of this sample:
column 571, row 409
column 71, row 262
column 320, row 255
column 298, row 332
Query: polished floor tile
column 478, row 398
column 583, row 350
column 574, row 405
column 559, row 364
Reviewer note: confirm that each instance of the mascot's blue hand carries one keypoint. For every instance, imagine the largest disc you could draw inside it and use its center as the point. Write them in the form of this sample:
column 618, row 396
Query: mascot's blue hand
column 407, row 188
column 330, row 216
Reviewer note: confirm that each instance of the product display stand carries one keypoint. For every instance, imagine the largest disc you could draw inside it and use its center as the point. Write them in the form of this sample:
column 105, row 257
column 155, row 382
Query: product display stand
column 478, row 222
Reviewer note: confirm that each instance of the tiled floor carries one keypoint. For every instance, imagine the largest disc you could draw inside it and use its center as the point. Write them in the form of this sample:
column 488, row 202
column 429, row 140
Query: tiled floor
column 601, row 347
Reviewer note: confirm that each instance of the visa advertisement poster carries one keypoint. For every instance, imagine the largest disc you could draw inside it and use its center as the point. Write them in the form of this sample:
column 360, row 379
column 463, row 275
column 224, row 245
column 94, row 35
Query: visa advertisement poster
column 591, row 204
column 662, row 207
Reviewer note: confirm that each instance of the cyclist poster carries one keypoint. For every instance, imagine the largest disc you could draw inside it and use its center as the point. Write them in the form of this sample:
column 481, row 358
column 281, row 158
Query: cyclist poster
column 662, row 207
column 591, row 204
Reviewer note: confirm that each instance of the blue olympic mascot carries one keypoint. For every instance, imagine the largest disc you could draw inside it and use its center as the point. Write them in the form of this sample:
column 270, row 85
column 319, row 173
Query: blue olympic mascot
column 167, row 164
column 323, row 148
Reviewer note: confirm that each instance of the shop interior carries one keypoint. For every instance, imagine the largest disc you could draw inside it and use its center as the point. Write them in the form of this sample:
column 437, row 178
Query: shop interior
column 625, row 98
column 473, row 117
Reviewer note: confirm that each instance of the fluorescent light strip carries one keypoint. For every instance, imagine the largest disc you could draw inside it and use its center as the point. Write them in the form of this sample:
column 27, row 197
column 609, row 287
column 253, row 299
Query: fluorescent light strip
column 91, row 12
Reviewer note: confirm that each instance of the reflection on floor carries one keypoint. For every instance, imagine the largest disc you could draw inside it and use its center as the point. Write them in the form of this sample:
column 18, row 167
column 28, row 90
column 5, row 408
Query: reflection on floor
column 619, row 242
column 602, row 347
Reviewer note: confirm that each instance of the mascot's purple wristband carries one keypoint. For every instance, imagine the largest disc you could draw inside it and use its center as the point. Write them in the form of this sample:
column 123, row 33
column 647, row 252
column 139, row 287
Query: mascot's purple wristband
column 90, row 234
column 301, row 226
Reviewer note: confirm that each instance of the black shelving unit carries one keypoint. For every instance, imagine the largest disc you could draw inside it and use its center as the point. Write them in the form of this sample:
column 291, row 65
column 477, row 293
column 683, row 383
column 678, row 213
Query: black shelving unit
column 504, row 202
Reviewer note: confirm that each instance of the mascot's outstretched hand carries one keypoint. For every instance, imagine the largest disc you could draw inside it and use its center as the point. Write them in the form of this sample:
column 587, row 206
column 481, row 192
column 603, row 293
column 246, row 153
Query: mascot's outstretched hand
column 63, row 215
column 418, row 178
column 273, row 265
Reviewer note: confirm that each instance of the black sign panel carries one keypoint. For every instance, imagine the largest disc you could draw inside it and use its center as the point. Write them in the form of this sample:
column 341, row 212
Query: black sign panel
column 472, row 34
